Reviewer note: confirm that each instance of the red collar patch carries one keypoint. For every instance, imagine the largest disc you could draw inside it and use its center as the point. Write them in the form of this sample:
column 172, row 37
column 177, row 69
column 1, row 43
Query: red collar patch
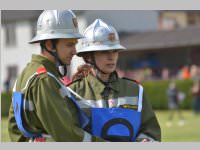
column 41, row 71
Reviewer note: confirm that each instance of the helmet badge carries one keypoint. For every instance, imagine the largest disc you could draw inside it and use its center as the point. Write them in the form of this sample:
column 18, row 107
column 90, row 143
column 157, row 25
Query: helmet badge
column 111, row 37
column 75, row 22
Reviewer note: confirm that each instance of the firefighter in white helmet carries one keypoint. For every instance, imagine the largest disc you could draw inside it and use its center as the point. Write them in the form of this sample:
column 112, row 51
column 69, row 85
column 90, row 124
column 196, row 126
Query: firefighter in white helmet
column 119, row 110
column 42, row 106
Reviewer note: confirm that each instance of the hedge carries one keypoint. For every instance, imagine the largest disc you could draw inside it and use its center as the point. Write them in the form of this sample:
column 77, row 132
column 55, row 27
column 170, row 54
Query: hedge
column 5, row 103
column 155, row 92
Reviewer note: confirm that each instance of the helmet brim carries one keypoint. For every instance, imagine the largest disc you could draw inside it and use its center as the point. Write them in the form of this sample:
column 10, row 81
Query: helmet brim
column 48, row 36
column 95, row 48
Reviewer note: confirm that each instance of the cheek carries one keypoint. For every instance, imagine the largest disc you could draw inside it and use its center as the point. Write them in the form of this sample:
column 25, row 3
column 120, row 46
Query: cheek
column 100, row 61
column 64, row 52
column 116, row 56
column 101, row 57
column 61, row 53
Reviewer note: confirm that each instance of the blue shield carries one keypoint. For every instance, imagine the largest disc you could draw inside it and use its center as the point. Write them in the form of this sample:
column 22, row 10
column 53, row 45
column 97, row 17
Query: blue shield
column 115, row 124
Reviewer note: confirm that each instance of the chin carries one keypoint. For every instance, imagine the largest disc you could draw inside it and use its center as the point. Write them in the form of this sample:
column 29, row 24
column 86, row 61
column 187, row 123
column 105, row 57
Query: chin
column 110, row 71
column 67, row 63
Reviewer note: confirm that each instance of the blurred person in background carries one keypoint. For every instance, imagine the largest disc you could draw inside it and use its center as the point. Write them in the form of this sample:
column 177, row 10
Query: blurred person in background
column 196, row 96
column 174, row 104
column 195, row 72
column 185, row 72
column 7, row 86
column 165, row 74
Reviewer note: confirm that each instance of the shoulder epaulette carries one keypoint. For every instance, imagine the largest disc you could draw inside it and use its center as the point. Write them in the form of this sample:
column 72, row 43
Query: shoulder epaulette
column 131, row 80
column 40, row 71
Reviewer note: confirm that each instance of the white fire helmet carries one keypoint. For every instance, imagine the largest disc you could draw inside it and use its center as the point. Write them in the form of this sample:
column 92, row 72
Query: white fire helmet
column 56, row 24
column 100, row 36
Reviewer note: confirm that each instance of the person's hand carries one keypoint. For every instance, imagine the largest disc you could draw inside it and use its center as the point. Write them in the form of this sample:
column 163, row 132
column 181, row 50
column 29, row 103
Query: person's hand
column 145, row 140
column 195, row 90
column 83, row 71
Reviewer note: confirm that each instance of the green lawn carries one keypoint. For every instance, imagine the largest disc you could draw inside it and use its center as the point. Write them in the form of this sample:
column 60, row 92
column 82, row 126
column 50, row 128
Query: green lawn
column 4, row 130
column 190, row 132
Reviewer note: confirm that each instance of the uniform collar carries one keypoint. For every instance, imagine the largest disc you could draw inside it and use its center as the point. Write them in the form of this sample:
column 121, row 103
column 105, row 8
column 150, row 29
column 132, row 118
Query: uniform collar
column 114, row 81
column 50, row 66
column 99, row 85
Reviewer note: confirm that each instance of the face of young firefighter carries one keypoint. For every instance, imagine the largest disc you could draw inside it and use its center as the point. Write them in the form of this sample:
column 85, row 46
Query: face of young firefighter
column 66, row 49
column 106, row 60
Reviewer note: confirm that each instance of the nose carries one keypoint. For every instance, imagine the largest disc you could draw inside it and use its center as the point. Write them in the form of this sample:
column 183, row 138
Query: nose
column 111, row 54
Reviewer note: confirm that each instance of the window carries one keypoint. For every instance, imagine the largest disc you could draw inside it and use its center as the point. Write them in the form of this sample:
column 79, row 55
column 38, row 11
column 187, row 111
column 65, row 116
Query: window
column 11, row 77
column 168, row 23
column 193, row 18
column 10, row 34
column 33, row 25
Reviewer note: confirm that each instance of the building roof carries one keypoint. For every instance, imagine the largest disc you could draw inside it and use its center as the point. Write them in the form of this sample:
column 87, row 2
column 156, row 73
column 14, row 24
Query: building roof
column 180, row 37
column 17, row 15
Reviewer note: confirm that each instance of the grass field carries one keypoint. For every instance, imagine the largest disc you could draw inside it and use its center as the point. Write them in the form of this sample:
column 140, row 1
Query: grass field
column 190, row 132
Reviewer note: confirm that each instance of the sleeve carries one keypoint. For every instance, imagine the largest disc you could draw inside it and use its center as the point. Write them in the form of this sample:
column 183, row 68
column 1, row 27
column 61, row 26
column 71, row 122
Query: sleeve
column 56, row 115
column 150, row 128
column 14, row 133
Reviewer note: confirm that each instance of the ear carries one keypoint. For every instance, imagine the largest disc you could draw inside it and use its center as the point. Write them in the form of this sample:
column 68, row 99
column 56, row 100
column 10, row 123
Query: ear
column 48, row 44
column 87, row 57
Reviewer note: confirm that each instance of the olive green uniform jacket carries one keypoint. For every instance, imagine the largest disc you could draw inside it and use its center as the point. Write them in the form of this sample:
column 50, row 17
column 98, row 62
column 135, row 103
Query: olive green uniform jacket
column 48, row 111
column 94, row 92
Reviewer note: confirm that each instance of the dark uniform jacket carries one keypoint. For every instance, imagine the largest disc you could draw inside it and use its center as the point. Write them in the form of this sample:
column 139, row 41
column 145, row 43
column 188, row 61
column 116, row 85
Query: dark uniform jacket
column 116, row 93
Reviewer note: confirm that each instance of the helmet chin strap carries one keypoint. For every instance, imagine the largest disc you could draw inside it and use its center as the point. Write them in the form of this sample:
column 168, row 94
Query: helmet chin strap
column 62, row 68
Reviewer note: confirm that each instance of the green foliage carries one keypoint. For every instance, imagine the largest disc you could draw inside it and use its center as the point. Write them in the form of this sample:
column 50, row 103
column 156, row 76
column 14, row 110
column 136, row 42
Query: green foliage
column 156, row 92
column 5, row 103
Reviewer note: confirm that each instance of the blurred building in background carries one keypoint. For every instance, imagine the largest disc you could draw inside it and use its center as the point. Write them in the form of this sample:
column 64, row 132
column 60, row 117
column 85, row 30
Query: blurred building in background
column 161, row 50
column 178, row 19
column 17, row 28
column 159, row 43
column 164, row 53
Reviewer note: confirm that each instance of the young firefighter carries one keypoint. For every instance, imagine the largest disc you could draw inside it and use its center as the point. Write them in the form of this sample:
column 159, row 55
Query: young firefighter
column 134, row 119
column 42, row 106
